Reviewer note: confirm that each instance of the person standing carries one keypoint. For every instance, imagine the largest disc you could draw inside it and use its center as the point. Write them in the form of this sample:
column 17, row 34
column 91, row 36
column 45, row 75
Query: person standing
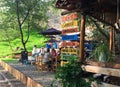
column 55, row 45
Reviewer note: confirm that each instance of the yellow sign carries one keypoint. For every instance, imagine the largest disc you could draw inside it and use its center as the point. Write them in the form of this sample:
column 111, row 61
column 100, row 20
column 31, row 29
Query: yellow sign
column 69, row 51
column 70, row 24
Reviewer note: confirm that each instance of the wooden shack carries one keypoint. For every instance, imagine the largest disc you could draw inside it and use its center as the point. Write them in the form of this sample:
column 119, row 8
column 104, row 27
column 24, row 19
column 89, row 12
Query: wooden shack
column 106, row 11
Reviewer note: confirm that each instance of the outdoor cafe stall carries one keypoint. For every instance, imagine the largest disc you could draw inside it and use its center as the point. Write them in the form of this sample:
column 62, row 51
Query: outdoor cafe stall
column 51, row 43
column 105, row 11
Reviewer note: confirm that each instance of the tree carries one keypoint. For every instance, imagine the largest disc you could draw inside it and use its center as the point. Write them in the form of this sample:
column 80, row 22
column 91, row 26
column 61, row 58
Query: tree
column 7, row 26
column 29, row 14
column 100, row 31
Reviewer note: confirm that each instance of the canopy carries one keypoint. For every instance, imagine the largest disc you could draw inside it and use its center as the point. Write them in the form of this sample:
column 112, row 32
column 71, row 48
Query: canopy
column 51, row 31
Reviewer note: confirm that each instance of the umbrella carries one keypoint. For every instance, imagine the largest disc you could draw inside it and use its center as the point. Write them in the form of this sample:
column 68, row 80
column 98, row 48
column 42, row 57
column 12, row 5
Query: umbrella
column 51, row 31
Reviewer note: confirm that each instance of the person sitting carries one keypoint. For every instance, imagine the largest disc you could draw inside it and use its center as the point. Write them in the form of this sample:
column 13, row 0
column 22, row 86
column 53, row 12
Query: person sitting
column 53, row 54
column 48, row 45
column 42, row 51
column 35, row 52
column 47, row 59
column 58, row 55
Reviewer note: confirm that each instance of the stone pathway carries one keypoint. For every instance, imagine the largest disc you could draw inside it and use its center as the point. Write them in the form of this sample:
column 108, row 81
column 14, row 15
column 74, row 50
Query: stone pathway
column 45, row 78
column 8, row 80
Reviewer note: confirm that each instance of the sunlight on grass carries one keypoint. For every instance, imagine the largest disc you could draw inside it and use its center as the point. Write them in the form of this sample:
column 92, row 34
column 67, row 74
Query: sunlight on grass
column 4, row 49
column 9, row 60
column 35, row 39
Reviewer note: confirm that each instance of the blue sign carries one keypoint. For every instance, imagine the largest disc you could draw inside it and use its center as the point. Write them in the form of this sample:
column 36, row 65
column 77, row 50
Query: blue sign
column 70, row 37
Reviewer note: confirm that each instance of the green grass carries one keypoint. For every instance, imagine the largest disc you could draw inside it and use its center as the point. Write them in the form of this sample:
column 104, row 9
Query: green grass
column 4, row 49
column 34, row 39
column 9, row 60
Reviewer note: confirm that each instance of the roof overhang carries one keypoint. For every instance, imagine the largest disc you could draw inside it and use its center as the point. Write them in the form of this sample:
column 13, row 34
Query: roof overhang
column 103, row 10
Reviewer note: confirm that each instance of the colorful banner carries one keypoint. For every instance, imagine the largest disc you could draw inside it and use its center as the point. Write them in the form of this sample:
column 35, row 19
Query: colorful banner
column 69, row 17
column 70, row 44
column 70, row 24
column 69, row 51
column 70, row 37
column 71, row 30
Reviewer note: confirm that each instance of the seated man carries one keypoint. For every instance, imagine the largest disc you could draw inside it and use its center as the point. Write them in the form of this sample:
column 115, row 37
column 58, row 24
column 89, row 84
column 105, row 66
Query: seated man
column 53, row 54
column 47, row 59
column 35, row 52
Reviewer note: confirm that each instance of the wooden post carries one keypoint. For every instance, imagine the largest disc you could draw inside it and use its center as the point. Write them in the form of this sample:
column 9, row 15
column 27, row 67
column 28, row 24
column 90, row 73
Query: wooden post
column 82, row 35
column 111, row 39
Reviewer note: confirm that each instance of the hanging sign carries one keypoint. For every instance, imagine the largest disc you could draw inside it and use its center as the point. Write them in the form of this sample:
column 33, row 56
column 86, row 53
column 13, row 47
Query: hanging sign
column 69, row 17
column 70, row 24
column 69, row 51
column 70, row 44
column 70, row 37
column 71, row 30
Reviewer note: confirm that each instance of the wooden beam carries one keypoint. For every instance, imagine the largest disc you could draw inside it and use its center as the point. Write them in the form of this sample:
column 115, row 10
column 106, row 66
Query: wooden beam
column 95, row 84
column 102, row 64
column 68, row 12
column 101, row 70
column 82, row 35
column 111, row 39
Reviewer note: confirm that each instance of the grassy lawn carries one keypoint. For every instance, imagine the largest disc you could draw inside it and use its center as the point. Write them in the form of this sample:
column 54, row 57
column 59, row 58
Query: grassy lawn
column 35, row 39
column 5, row 49
column 9, row 60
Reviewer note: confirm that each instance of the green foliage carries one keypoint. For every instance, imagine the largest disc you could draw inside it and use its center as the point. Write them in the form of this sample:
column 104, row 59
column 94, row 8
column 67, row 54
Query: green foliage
column 70, row 75
column 22, row 15
column 102, row 53
column 4, row 49
column 100, row 33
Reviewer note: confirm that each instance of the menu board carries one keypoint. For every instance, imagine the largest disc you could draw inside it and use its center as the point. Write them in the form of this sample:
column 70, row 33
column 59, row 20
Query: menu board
column 70, row 36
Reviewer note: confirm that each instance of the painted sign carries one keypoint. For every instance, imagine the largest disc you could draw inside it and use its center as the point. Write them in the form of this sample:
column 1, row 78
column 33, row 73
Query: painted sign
column 70, row 44
column 69, row 17
column 69, row 51
column 70, row 24
column 70, row 37
column 71, row 30
column 68, row 56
